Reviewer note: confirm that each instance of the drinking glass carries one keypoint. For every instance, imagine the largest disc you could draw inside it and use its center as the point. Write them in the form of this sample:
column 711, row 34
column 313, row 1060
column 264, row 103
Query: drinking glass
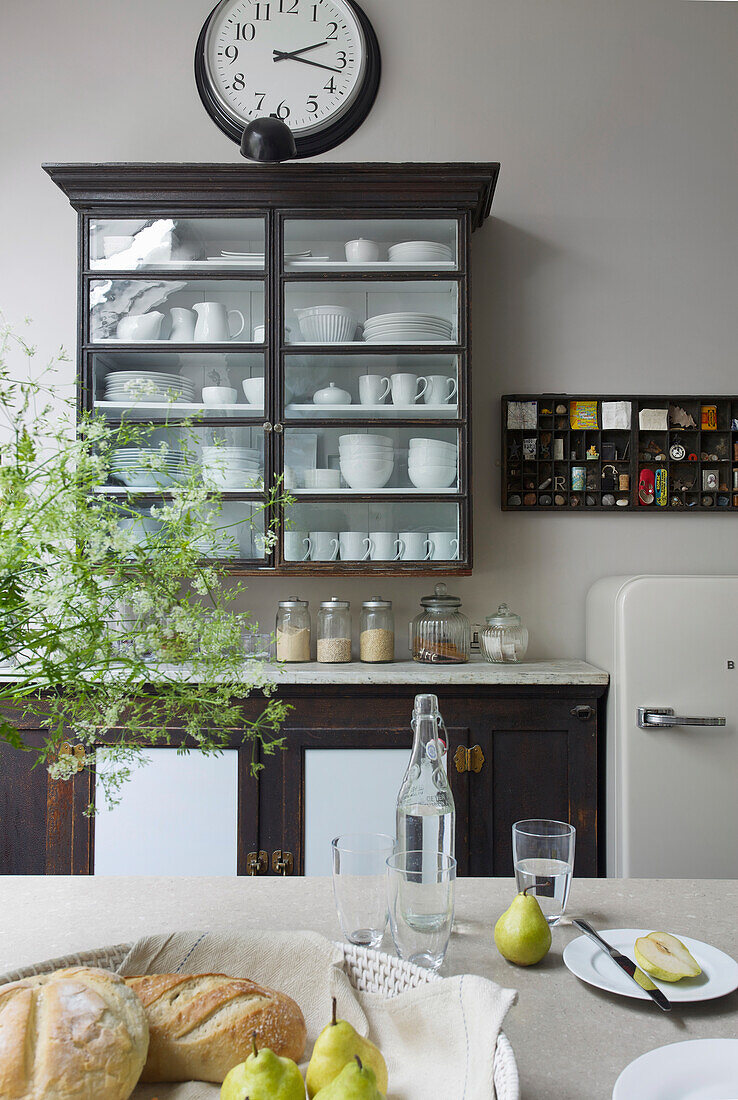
column 420, row 888
column 359, row 885
column 543, row 857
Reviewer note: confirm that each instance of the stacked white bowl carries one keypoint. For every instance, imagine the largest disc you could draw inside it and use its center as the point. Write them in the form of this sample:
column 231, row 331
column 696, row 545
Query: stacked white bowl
column 432, row 463
column 147, row 466
column 235, row 468
column 327, row 324
column 367, row 461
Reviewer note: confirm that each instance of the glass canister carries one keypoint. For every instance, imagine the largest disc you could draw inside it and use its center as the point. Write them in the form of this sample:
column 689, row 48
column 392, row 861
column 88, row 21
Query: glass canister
column 441, row 634
column 334, row 631
column 504, row 638
column 377, row 631
column 293, row 630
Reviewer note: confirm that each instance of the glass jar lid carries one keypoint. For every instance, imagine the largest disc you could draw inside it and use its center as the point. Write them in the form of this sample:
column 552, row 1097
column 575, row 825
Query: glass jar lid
column 441, row 600
column 293, row 602
column 504, row 617
column 376, row 602
column 335, row 604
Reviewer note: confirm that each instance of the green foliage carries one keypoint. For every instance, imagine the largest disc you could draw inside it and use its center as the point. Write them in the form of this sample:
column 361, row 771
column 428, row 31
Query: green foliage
column 113, row 633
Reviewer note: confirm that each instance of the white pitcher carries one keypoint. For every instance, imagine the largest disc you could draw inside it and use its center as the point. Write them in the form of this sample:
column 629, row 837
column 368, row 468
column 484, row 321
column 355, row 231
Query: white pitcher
column 212, row 325
column 183, row 325
column 140, row 326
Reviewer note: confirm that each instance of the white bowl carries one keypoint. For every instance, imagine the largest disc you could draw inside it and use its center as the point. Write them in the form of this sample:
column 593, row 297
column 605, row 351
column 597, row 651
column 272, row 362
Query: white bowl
column 323, row 311
column 438, row 445
column 327, row 328
column 362, row 251
column 384, row 440
column 367, row 456
column 253, row 388
column 219, row 395
column 432, row 477
column 358, row 476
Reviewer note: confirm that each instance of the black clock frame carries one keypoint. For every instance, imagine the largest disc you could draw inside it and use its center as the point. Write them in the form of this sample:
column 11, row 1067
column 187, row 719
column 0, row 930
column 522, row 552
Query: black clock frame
column 308, row 145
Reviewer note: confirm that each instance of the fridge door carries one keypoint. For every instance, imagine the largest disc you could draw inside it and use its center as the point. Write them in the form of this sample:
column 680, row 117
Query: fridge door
column 672, row 805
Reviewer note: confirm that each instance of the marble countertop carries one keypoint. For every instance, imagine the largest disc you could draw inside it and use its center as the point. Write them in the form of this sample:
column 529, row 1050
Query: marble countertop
column 571, row 1041
column 476, row 671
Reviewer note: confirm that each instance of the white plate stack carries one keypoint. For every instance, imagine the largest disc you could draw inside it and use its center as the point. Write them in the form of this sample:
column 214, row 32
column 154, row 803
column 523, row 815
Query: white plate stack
column 407, row 328
column 367, row 461
column 432, row 463
column 234, row 468
column 147, row 466
column 420, row 252
column 126, row 387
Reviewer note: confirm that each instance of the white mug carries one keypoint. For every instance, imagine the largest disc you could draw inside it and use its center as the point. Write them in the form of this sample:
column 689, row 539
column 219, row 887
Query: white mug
column 355, row 545
column 373, row 389
column 212, row 325
column 445, row 545
column 323, row 545
column 386, row 546
column 297, row 546
column 441, row 389
column 418, row 546
column 405, row 389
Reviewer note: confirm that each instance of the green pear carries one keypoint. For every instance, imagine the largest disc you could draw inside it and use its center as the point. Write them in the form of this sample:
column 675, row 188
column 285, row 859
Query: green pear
column 336, row 1046
column 354, row 1082
column 263, row 1076
column 522, row 934
column 665, row 957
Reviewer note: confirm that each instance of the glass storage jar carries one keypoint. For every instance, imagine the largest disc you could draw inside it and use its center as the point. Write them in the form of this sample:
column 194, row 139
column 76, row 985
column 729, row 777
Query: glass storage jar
column 334, row 631
column 377, row 631
column 441, row 634
column 504, row 638
column 293, row 630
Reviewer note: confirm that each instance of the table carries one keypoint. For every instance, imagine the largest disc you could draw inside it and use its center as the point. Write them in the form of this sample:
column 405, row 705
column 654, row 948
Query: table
column 570, row 1041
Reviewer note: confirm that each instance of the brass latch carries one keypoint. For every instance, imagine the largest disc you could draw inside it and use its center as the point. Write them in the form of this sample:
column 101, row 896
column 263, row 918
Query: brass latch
column 257, row 863
column 282, row 862
column 65, row 749
column 469, row 760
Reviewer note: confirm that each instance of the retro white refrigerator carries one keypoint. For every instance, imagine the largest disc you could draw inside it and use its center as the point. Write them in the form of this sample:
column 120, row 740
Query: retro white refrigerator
column 670, row 644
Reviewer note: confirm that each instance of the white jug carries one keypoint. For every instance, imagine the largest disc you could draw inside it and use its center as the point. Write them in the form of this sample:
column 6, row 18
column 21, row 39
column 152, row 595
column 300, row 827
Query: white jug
column 140, row 326
column 183, row 325
column 212, row 325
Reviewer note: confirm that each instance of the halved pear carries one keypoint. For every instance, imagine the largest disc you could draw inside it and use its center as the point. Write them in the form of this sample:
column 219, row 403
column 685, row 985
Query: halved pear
column 665, row 957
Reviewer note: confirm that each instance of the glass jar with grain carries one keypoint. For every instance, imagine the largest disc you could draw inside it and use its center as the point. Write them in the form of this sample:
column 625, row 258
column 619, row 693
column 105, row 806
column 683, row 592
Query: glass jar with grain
column 334, row 631
column 293, row 630
column 377, row 631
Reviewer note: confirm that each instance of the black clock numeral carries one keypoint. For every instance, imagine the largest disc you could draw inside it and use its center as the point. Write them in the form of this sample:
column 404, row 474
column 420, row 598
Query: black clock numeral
column 341, row 59
column 245, row 31
column 261, row 96
column 332, row 35
column 239, row 82
column 262, row 11
column 288, row 7
column 331, row 85
column 231, row 53
column 283, row 111
column 315, row 13
column 312, row 105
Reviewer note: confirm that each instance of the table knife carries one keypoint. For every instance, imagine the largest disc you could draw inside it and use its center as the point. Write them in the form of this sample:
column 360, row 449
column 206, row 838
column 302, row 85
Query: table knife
column 634, row 972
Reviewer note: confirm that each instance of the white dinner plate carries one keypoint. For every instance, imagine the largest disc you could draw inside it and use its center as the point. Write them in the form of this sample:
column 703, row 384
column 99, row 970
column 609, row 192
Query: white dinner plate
column 699, row 1069
column 590, row 963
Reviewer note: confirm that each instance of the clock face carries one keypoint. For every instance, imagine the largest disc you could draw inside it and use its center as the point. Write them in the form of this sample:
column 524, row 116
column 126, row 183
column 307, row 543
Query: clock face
column 310, row 63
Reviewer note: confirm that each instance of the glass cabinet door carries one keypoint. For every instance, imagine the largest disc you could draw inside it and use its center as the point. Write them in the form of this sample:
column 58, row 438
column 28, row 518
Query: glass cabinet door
column 161, row 244
column 371, row 244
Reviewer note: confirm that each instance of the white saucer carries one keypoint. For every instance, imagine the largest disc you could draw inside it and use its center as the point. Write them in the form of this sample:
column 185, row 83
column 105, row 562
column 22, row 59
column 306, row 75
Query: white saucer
column 590, row 963
column 700, row 1069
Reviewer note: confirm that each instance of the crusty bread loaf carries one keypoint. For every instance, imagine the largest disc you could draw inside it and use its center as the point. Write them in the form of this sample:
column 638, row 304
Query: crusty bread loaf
column 202, row 1025
column 76, row 1034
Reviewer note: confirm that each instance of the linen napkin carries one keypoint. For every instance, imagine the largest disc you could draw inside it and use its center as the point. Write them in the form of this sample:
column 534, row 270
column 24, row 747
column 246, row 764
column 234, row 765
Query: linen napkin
column 438, row 1040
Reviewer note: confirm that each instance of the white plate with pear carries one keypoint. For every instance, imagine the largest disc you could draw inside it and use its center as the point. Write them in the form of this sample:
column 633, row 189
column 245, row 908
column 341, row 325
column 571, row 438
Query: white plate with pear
column 719, row 972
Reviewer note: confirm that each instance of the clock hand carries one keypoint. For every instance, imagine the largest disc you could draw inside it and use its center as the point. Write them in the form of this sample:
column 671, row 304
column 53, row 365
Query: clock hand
column 280, row 55
column 306, row 61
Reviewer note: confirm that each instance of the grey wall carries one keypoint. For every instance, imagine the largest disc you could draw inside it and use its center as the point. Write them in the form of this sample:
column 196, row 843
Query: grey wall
column 611, row 264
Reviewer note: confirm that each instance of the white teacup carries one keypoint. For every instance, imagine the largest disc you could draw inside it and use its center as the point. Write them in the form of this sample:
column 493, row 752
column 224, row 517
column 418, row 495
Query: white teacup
column 373, row 389
column 386, row 546
column 408, row 388
column 253, row 388
column 441, row 389
column 418, row 546
column 219, row 395
column 323, row 545
column 355, row 545
column 444, row 544
column 297, row 546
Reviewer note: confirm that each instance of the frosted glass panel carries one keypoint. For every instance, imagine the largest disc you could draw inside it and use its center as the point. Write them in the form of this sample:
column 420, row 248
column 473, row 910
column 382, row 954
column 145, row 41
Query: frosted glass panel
column 348, row 791
column 178, row 816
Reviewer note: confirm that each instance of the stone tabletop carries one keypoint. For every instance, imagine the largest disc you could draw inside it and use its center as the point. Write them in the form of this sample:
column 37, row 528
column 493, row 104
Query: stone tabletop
column 476, row 671
column 571, row 1041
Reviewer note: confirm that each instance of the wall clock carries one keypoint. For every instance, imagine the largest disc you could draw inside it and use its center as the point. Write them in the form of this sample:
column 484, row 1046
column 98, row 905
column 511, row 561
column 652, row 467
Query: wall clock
column 313, row 63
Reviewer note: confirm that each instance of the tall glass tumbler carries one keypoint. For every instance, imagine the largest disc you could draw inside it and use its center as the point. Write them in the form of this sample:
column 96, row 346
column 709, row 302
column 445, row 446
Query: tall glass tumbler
column 360, row 887
column 543, row 857
column 420, row 888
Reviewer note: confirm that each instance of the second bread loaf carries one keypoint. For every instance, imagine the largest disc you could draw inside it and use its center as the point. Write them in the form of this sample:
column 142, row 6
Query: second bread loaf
column 202, row 1025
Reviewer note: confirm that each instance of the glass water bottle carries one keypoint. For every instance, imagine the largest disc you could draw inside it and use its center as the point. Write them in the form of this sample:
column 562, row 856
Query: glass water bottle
column 426, row 814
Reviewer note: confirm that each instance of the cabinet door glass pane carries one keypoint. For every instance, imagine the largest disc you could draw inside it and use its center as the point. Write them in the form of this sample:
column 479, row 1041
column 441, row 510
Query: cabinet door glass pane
column 373, row 312
column 174, row 386
column 371, row 244
column 370, row 386
column 140, row 244
column 236, row 529
column 176, row 311
column 337, row 802
column 178, row 816
column 379, row 531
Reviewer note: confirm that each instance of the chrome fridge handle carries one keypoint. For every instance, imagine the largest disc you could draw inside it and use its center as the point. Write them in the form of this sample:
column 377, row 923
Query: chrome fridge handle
column 664, row 717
